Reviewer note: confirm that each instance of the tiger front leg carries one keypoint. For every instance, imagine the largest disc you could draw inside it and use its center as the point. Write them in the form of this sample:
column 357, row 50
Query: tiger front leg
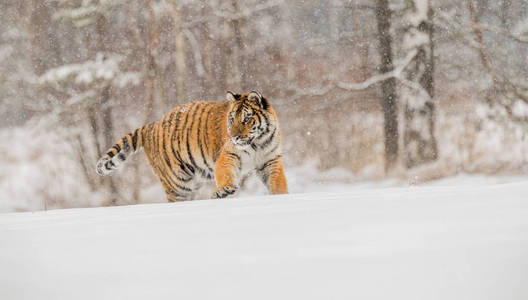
column 227, row 173
column 272, row 175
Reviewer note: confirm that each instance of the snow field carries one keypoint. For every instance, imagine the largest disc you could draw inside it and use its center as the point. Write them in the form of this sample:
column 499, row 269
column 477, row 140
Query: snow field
column 451, row 241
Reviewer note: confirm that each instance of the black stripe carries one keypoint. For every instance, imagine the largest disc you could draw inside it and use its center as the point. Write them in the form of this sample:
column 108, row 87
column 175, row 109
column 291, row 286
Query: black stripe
column 126, row 146
column 184, row 169
column 163, row 179
column 239, row 109
column 110, row 153
column 161, row 157
column 233, row 155
column 268, row 163
column 189, row 167
column 265, row 176
column 176, row 154
column 150, row 137
column 109, row 165
column 182, row 130
column 174, row 135
column 117, row 147
column 263, row 134
column 187, row 140
column 183, row 166
column 237, row 157
column 269, row 139
column 267, row 119
column 182, row 187
column 121, row 156
column 274, row 148
column 134, row 139
column 154, row 139
column 164, row 153
column 175, row 196
column 264, row 103
column 257, row 113
column 207, row 127
column 193, row 162
column 183, row 179
column 200, row 140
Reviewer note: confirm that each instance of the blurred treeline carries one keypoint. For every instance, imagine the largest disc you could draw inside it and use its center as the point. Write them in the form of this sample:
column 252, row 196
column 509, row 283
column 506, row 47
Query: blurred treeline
column 87, row 72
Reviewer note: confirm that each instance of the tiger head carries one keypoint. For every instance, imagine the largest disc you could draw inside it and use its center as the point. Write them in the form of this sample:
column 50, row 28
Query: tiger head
column 248, row 119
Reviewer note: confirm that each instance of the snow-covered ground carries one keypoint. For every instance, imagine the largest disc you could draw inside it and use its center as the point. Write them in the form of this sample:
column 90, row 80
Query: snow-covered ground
column 448, row 241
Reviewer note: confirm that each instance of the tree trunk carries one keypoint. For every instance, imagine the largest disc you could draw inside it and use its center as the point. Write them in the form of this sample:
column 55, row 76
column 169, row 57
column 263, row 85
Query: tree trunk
column 418, row 87
column 208, row 82
column 108, row 126
column 179, row 56
column 505, row 14
column 229, row 76
column 239, row 52
column 388, row 87
column 105, row 107
column 150, row 77
column 81, row 156
column 478, row 33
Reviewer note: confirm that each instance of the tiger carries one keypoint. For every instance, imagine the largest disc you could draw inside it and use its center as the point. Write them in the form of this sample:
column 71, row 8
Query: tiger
column 204, row 141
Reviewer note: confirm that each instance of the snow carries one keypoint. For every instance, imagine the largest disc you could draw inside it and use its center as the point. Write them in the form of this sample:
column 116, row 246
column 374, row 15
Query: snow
column 521, row 28
column 104, row 67
column 520, row 109
column 447, row 241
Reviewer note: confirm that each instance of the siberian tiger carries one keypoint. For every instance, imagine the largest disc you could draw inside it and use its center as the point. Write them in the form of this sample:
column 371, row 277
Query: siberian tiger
column 202, row 141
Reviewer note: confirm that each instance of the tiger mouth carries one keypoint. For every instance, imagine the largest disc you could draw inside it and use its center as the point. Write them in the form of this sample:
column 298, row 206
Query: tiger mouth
column 243, row 142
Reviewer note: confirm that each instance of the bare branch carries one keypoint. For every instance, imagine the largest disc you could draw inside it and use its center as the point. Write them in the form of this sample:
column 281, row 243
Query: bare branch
column 321, row 91
column 378, row 78
column 502, row 32
column 248, row 12
column 300, row 92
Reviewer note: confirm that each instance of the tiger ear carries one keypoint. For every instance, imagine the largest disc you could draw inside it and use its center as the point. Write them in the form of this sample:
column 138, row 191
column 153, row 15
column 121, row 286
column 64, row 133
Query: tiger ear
column 257, row 98
column 230, row 97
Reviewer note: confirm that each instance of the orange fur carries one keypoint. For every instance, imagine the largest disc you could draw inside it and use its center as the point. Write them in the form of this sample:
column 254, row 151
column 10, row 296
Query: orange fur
column 200, row 141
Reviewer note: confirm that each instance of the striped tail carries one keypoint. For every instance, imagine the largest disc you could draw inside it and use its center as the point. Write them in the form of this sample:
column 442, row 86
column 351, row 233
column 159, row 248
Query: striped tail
column 119, row 152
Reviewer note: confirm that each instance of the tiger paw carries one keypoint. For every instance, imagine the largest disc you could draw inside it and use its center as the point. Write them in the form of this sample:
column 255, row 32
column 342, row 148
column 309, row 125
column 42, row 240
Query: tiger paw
column 106, row 166
column 225, row 191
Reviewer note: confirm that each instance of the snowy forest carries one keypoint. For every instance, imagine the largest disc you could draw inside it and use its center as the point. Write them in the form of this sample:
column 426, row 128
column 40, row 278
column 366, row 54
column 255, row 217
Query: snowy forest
column 397, row 92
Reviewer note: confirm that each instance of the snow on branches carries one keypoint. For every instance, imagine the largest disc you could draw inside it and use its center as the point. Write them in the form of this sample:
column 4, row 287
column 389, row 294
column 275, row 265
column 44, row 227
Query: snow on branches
column 101, row 71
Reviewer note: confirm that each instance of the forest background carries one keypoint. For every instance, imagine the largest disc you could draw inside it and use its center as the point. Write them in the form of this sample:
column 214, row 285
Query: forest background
column 405, row 91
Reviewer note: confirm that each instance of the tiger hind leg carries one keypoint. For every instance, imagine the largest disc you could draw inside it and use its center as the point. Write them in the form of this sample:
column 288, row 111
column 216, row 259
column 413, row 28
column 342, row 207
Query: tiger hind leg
column 177, row 190
column 177, row 196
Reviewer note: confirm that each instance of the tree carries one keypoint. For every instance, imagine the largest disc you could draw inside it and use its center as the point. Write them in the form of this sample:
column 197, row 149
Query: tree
column 507, row 97
column 417, row 90
column 86, row 87
column 179, row 55
column 17, row 75
column 388, row 86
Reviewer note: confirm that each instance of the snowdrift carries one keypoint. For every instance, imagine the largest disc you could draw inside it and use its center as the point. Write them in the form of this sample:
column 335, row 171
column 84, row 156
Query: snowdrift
column 436, row 242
